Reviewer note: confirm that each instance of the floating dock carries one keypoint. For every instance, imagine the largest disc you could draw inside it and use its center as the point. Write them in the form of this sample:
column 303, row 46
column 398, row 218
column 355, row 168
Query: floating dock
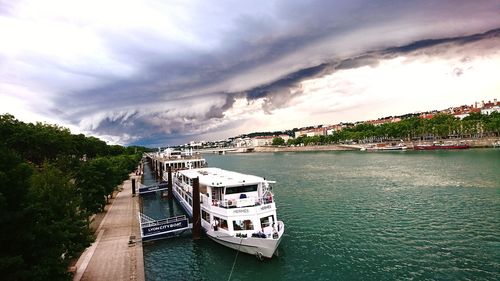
column 158, row 229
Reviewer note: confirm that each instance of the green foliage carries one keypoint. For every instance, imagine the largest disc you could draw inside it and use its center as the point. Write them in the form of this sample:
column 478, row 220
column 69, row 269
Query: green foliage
column 59, row 227
column 14, row 218
column 99, row 177
column 278, row 141
column 441, row 126
column 51, row 181
column 39, row 142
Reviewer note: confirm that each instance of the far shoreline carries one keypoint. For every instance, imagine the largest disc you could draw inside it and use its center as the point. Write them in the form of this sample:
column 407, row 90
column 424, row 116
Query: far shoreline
column 473, row 143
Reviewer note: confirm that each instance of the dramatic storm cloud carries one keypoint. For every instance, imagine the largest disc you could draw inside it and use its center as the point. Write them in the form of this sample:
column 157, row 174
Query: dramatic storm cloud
column 166, row 72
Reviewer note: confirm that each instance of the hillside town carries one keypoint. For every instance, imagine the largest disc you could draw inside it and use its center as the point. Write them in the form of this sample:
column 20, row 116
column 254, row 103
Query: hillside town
column 264, row 139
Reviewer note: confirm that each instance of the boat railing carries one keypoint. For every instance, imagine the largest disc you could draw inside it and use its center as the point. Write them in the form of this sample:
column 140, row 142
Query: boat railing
column 241, row 203
column 184, row 186
column 147, row 221
column 181, row 157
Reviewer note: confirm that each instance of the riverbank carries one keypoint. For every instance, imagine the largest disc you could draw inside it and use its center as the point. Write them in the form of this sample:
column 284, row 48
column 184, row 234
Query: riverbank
column 481, row 143
column 329, row 147
column 473, row 143
column 115, row 255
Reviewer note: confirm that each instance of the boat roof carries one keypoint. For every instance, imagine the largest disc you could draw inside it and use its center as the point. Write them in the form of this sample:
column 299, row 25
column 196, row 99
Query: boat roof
column 181, row 159
column 220, row 177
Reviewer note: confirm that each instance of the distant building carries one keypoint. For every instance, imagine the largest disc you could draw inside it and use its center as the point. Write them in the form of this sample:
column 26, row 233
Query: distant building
column 262, row 140
column 321, row 131
column 316, row 132
column 298, row 134
column 383, row 121
column 242, row 142
column 285, row 137
column 196, row 144
column 426, row 115
column 464, row 112
column 490, row 107
column 332, row 129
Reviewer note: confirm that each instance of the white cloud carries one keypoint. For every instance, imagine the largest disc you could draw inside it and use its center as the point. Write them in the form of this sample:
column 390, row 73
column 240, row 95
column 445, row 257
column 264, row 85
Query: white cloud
column 421, row 81
column 120, row 68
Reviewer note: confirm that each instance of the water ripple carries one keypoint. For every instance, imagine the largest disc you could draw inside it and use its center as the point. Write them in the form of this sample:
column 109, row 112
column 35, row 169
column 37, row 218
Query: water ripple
column 361, row 216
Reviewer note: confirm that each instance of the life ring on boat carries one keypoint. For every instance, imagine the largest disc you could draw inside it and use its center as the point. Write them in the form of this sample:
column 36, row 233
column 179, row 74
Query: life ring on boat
column 269, row 199
column 229, row 202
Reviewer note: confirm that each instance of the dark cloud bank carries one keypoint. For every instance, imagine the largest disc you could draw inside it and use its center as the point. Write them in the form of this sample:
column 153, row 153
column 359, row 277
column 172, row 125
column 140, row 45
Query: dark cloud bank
column 275, row 93
column 175, row 97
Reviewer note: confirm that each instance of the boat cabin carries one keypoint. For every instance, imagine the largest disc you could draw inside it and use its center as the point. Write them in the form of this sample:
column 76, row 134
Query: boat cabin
column 238, row 202
column 180, row 160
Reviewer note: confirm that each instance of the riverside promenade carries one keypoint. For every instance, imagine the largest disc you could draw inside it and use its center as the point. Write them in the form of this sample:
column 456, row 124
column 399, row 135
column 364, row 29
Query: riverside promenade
column 111, row 257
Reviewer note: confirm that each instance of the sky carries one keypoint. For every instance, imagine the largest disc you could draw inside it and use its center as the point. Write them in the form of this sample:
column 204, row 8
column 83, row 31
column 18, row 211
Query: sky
column 159, row 73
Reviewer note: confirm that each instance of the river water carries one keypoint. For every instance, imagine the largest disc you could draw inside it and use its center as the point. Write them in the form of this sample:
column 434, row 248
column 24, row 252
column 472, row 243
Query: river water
column 414, row 215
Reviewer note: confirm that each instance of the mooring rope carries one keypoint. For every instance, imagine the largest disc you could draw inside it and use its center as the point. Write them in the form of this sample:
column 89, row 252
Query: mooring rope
column 235, row 258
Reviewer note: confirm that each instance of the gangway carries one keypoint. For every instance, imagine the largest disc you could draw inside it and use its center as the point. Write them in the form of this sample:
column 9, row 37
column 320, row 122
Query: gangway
column 143, row 189
column 152, row 229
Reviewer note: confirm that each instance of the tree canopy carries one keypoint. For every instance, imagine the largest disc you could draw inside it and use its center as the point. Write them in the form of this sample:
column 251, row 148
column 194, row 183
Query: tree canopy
column 50, row 182
column 441, row 126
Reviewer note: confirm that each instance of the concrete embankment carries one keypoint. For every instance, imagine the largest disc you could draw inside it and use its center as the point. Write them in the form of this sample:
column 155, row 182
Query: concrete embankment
column 304, row 148
column 482, row 142
column 474, row 143
column 112, row 256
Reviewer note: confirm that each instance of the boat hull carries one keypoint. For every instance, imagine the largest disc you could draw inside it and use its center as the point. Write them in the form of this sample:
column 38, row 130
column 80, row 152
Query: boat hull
column 261, row 247
column 384, row 147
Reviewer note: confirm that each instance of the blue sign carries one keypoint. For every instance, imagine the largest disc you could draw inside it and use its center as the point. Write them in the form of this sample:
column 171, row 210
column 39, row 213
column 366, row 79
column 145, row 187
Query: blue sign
column 161, row 228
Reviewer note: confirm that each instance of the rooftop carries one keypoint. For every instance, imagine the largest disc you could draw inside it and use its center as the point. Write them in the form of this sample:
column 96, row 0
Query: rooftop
column 219, row 177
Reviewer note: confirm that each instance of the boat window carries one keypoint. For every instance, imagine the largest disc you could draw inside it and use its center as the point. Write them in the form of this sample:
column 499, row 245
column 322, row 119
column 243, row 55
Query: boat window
column 222, row 222
column 242, row 225
column 241, row 189
column 266, row 221
column 205, row 216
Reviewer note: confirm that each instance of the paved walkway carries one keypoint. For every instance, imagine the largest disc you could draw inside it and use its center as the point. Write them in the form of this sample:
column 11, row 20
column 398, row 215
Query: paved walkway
column 111, row 257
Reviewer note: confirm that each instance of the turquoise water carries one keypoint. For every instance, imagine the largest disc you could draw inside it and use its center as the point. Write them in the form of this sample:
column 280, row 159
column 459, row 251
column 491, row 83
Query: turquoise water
column 429, row 215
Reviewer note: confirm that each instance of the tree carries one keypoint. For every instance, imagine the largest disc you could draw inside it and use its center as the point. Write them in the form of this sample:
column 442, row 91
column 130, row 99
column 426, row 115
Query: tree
column 43, row 214
column 90, row 182
column 14, row 219
column 59, row 227
column 278, row 141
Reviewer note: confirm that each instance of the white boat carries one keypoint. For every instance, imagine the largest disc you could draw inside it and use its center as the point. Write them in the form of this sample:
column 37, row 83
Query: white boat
column 237, row 210
column 179, row 160
column 384, row 147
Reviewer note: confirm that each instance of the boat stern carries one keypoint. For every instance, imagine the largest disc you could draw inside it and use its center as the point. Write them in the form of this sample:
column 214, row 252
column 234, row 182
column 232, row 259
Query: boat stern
column 260, row 247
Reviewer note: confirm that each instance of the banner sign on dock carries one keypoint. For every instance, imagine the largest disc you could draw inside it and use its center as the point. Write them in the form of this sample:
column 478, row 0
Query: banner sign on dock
column 152, row 188
column 157, row 229
column 167, row 227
